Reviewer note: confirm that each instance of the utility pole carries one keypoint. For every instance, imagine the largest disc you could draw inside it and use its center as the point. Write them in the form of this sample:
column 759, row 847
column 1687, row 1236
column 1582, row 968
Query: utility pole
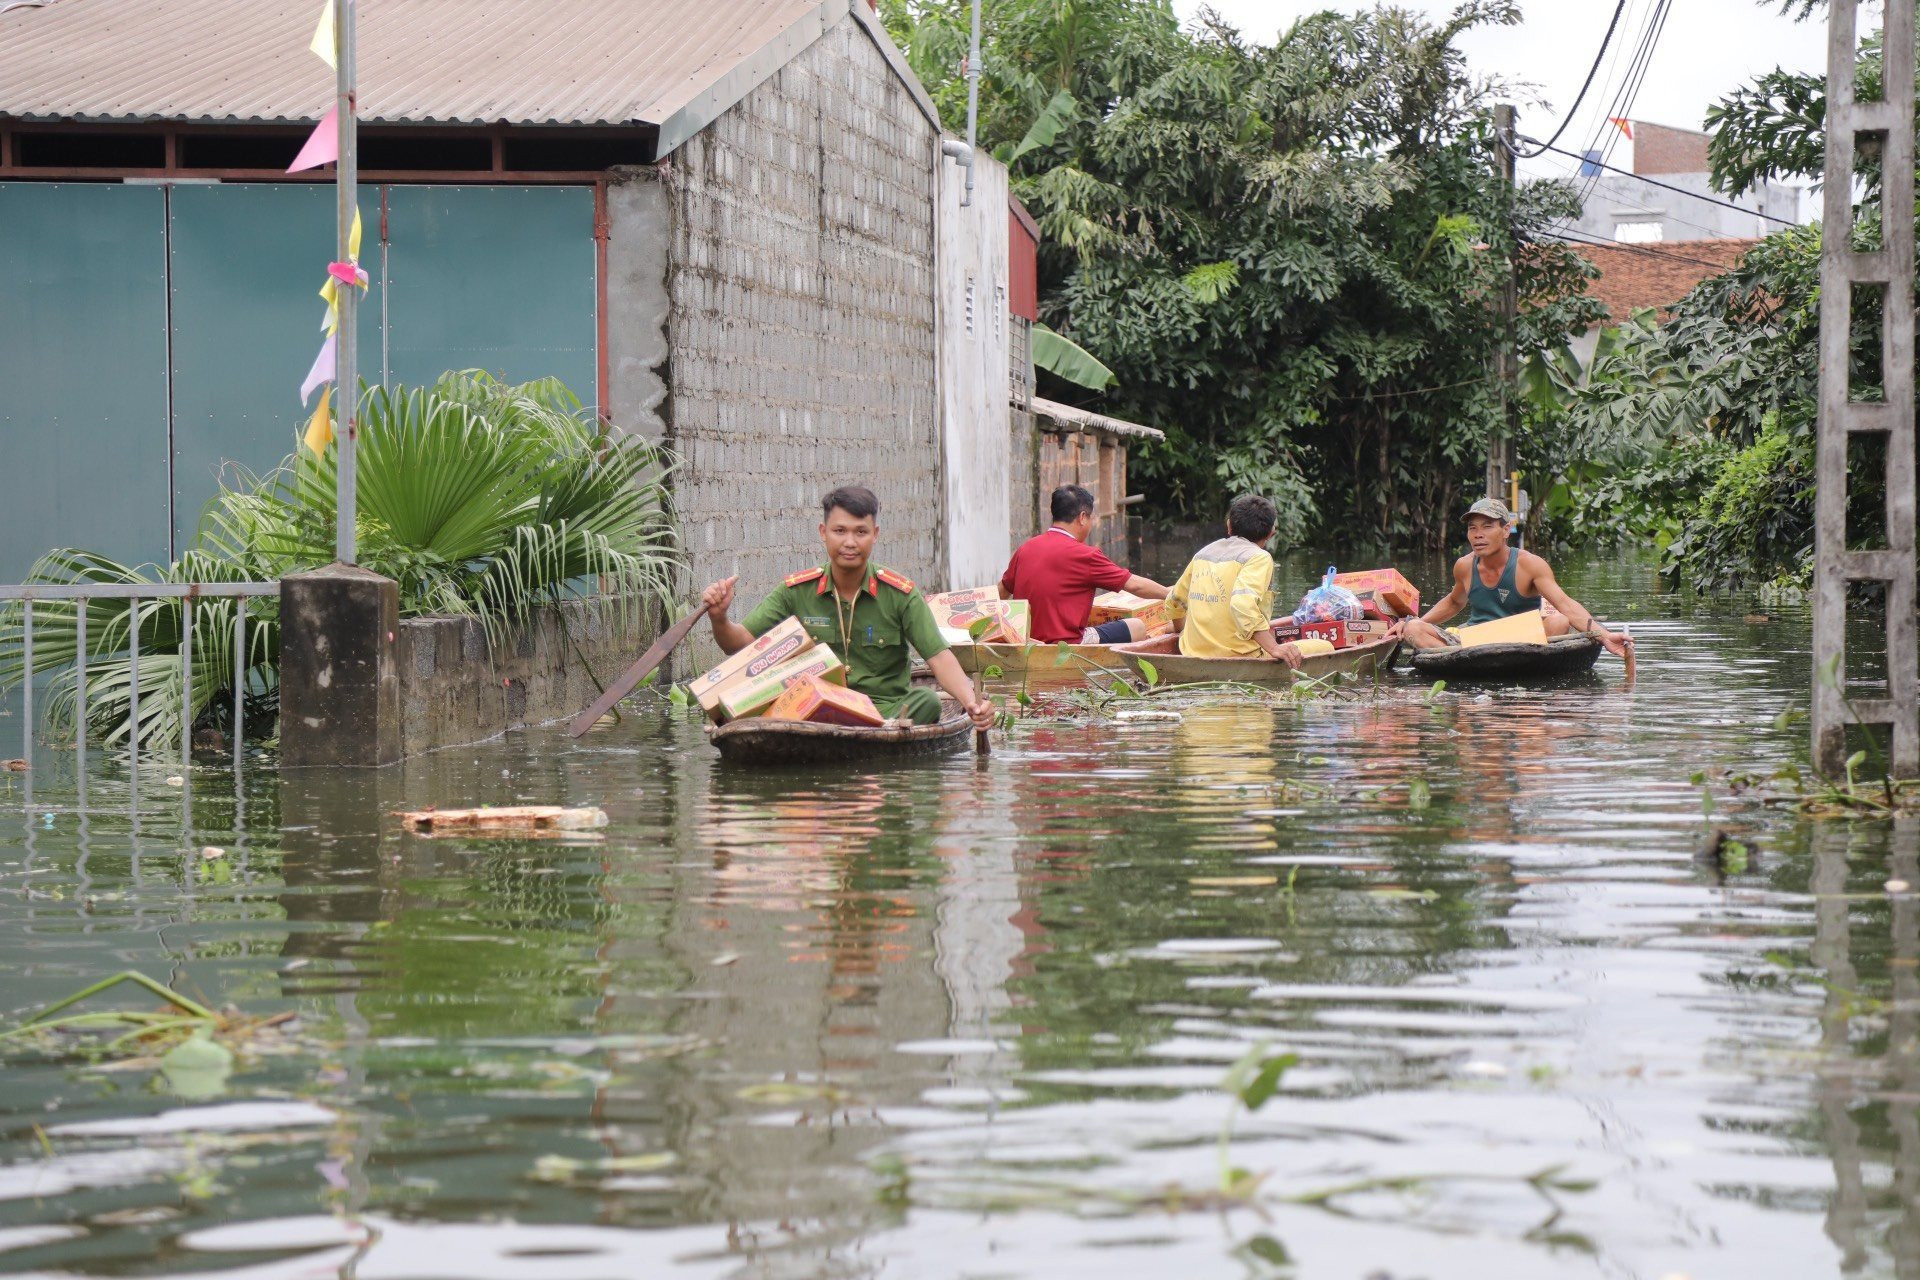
column 1852, row 125
column 1506, row 367
column 346, row 381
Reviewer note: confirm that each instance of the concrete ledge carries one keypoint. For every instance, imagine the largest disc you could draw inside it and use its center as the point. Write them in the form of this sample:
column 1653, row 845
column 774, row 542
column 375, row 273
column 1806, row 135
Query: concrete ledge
column 454, row 692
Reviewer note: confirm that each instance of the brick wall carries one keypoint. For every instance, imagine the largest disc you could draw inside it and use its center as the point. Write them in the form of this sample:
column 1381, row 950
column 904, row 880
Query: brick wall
column 1659, row 149
column 802, row 335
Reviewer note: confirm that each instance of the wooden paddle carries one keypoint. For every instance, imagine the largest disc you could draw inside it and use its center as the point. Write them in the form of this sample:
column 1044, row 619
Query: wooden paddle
column 980, row 744
column 631, row 678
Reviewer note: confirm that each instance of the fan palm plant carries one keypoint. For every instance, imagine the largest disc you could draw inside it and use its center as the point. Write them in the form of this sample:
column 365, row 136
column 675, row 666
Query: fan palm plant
column 476, row 496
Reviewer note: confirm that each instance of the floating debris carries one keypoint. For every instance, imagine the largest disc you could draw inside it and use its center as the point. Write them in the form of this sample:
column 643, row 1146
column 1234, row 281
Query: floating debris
column 13, row 766
column 523, row 817
column 213, row 851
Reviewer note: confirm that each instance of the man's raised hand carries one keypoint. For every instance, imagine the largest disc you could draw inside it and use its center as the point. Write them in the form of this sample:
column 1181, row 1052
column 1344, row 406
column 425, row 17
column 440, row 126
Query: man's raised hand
column 719, row 596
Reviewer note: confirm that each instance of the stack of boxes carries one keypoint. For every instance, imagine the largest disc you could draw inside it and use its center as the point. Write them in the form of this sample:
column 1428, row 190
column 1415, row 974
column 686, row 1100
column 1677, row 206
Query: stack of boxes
column 1384, row 594
column 751, row 681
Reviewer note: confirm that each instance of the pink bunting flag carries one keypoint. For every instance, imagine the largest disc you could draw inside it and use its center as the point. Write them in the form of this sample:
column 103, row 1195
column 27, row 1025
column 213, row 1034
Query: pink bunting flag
column 348, row 273
column 322, row 145
column 321, row 372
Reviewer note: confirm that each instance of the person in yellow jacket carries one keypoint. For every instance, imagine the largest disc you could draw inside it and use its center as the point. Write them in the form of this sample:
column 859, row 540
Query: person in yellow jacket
column 1223, row 603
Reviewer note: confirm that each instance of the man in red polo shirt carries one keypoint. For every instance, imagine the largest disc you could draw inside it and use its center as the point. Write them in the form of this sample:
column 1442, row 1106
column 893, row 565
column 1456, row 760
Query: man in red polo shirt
column 1057, row 574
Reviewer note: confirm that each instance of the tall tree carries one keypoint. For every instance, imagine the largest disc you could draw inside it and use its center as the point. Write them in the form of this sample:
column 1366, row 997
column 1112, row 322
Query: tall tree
column 1289, row 254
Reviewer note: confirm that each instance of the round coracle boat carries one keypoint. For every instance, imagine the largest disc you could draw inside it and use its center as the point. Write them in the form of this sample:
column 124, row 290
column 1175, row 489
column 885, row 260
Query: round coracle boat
column 1560, row 656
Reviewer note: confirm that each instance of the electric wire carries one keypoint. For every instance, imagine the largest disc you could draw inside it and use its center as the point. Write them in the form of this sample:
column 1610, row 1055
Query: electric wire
column 1578, row 98
column 1712, row 232
column 1594, row 242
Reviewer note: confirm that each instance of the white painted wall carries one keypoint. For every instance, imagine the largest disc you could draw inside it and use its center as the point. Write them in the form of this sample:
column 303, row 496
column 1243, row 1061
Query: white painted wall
column 970, row 331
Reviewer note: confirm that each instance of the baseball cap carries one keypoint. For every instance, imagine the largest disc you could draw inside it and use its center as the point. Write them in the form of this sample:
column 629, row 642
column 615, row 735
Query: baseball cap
column 1493, row 509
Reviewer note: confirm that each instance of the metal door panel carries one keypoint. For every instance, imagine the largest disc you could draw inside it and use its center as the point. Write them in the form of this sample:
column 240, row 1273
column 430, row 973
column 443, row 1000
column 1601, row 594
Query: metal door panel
column 248, row 260
column 83, row 372
column 494, row 278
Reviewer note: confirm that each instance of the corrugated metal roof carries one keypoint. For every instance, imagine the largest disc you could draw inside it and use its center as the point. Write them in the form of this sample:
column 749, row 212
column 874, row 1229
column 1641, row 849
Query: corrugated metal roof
column 1065, row 416
column 562, row 62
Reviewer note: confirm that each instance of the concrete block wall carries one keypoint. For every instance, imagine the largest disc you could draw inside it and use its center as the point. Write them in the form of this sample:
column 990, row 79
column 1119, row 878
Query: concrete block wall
column 453, row 691
column 1025, row 498
column 801, row 344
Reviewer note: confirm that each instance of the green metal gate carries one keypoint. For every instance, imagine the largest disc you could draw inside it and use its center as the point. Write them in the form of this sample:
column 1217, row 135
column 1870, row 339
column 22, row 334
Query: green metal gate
column 153, row 337
column 83, row 371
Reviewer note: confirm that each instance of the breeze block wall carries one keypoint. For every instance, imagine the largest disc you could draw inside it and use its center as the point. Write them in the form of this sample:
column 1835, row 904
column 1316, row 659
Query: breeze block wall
column 801, row 344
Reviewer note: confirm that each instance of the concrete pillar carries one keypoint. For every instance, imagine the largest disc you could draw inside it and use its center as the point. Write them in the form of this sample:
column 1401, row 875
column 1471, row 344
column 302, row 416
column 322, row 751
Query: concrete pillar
column 339, row 669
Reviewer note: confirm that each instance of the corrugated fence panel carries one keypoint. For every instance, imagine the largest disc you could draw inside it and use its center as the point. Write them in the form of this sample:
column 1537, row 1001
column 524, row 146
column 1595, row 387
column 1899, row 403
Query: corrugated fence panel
column 83, row 372
column 494, row 278
column 248, row 262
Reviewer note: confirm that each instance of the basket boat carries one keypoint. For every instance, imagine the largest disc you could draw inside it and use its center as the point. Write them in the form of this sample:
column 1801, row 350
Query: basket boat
column 1173, row 667
column 1560, row 656
column 775, row 743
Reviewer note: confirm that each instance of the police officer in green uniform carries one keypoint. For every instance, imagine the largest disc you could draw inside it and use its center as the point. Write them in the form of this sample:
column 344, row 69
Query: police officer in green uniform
column 867, row 615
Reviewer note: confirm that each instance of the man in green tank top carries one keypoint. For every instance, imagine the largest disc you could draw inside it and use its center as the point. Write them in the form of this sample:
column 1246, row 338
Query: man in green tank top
column 1499, row 581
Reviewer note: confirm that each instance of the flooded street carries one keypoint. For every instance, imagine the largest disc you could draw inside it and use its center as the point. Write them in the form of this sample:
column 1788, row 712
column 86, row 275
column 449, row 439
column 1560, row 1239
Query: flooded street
column 973, row 1018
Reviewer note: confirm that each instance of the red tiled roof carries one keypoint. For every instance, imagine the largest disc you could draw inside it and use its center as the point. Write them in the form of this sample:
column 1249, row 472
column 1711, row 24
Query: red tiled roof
column 1633, row 276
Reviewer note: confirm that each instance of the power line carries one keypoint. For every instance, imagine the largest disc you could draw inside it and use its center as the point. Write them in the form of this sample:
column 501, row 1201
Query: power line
column 1629, row 91
column 1714, row 233
column 1668, row 186
column 1592, row 71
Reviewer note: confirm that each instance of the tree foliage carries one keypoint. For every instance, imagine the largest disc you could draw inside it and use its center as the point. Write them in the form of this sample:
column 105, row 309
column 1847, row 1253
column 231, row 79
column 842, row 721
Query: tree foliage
column 1699, row 431
column 1291, row 255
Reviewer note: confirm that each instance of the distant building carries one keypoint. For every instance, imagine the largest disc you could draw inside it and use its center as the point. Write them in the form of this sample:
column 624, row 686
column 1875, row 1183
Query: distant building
column 1635, row 277
column 1625, row 208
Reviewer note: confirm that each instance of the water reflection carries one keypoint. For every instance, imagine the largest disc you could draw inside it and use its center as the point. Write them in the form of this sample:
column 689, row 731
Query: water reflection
column 972, row 1017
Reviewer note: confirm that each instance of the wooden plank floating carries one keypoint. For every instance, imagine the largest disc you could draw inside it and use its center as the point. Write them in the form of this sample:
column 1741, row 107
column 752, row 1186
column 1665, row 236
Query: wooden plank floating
column 507, row 818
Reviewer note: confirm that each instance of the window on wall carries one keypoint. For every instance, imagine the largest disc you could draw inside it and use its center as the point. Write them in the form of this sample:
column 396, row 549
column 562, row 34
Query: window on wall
column 1638, row 232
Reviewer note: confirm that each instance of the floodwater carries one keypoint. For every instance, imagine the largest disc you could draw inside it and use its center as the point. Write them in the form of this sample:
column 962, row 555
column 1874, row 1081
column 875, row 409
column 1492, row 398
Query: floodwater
column 971, row 1018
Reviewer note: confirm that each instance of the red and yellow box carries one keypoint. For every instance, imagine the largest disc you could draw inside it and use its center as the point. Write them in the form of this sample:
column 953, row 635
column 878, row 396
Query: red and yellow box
column 1383, row 592
column 820, row 702
column 782, row 643
column 1334, row 633
column 752, row 697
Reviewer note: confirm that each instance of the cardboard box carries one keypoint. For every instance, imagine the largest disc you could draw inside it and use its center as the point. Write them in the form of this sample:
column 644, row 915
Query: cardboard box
column 1522, row 628
column 1335, row 633
column 820, row 702
column 1367, row 630
column 1012, row 623
column 786, row 641
column 1112, row 606
column 753, row 696
column 1383, row 592
column 960, row 608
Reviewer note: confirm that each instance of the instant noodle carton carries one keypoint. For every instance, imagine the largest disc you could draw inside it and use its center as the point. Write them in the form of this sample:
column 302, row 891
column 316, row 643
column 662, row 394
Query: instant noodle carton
column 787, row 640
column 1012, row 623
column 753, row 696
column 1333, row 632
column 1112, row 606
column 960, row 608
column 815, row 700
column 1383, row 592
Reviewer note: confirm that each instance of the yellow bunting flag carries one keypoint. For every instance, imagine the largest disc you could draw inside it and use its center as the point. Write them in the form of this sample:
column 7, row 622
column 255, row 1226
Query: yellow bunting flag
column 353, row 238
column 320, row 427
column 322, row 44
column 330, row 293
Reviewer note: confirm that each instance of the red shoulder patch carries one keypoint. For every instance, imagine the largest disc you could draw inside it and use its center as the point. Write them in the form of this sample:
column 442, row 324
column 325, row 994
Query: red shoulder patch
column 805, row 575
column 894, row 580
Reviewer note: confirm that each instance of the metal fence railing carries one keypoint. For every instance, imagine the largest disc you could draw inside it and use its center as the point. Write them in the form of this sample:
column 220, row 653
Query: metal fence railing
column 134, row 593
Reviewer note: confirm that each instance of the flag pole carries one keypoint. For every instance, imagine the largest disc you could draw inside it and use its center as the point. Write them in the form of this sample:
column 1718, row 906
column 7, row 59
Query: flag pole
column 346, row 384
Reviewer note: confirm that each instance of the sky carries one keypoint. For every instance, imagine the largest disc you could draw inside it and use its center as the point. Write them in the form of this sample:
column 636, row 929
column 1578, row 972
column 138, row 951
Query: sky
column 1706, row 49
